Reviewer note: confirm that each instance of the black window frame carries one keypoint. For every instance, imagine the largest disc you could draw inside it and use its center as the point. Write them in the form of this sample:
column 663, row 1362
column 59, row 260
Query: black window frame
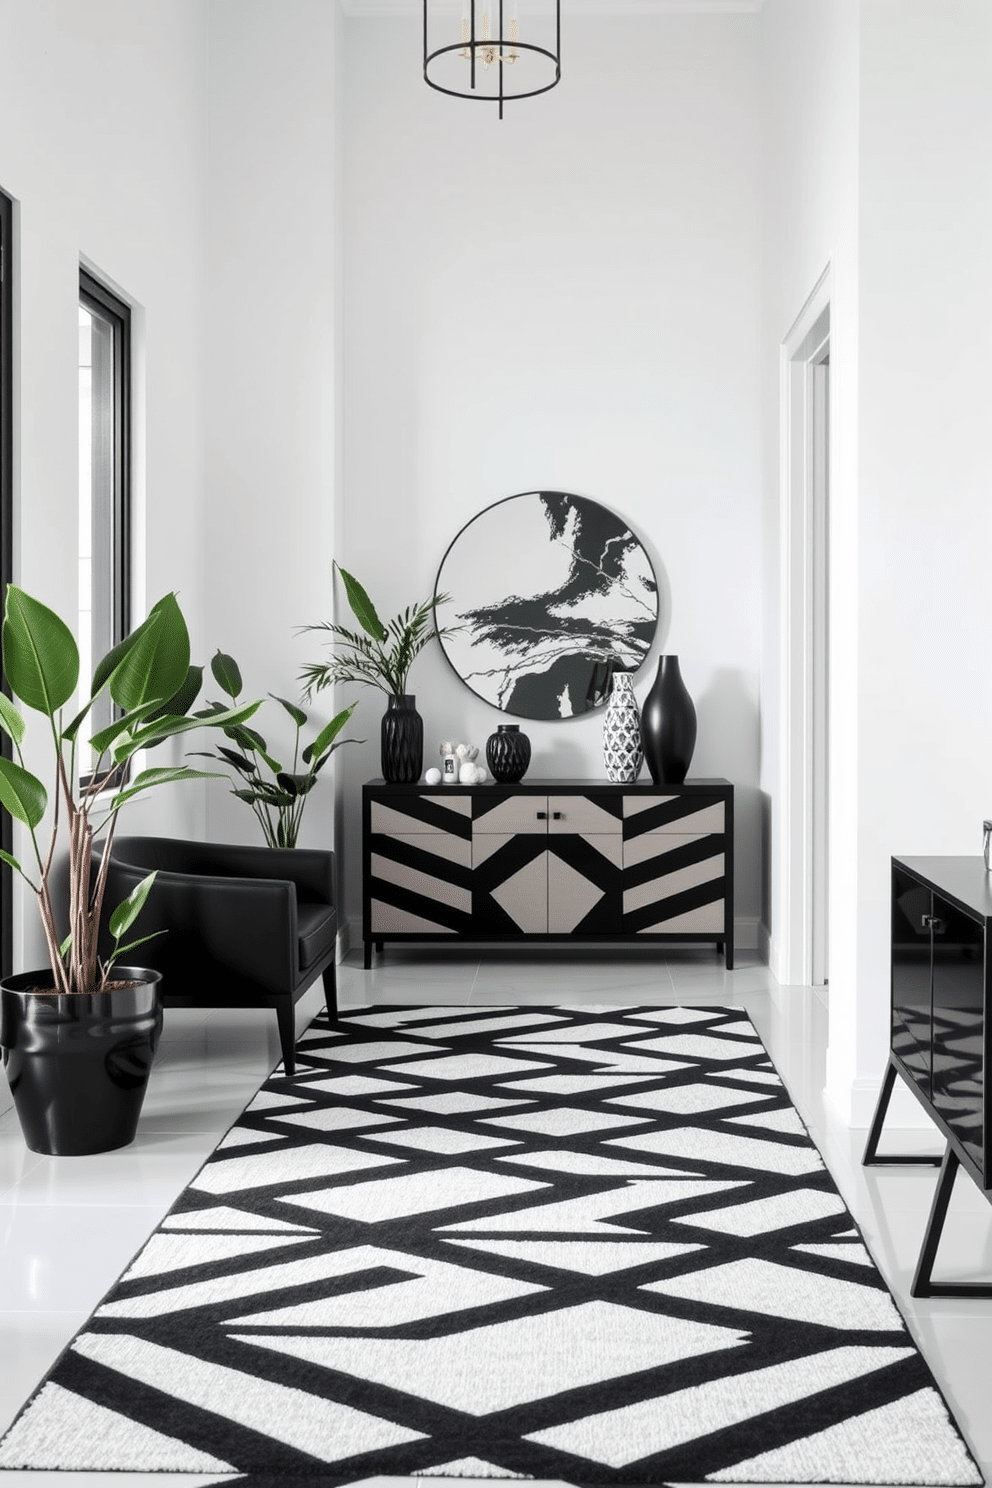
column 6, row 531
column 95, row 296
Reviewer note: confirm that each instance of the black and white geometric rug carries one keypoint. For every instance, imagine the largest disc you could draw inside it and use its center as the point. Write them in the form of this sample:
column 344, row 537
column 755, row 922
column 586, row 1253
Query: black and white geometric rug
column 592, row 1244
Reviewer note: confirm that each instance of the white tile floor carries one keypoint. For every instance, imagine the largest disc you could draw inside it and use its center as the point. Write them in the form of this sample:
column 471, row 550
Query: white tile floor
column 70, row 1225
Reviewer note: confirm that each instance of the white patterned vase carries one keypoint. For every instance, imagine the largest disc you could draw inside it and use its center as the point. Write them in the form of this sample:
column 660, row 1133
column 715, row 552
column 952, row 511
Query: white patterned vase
column 623, row 752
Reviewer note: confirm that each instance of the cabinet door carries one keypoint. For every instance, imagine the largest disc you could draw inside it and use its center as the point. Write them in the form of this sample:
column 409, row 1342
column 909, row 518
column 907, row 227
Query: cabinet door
column 911, row 989
column 674, row 865
column 957, row 1080
column 419, row 865
column 585, row 861
column 510, row 865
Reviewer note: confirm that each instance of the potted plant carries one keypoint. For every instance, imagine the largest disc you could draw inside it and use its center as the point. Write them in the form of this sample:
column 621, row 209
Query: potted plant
column 276, row 795
column 381, row 656
column 79, row 1037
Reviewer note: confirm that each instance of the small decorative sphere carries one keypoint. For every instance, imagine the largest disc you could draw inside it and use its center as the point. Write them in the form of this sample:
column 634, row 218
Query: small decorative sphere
column 432, row 777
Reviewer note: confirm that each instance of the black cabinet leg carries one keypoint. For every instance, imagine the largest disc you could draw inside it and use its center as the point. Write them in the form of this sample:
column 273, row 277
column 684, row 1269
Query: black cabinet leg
column 730, row 953
column 922, row 1285
column 870, row 1158
column 368, row 955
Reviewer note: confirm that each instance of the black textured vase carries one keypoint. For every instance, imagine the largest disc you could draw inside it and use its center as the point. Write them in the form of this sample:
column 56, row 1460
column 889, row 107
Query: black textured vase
column 508, row 753
column 78, row 1064
column 668, row 725
column 402, row 740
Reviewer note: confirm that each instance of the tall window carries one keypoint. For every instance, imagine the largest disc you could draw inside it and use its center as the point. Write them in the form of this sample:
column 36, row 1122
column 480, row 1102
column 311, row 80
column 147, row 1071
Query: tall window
column 104, row 484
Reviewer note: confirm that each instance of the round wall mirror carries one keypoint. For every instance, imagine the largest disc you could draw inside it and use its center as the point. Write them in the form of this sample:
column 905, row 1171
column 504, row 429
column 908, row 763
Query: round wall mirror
column 549, row 591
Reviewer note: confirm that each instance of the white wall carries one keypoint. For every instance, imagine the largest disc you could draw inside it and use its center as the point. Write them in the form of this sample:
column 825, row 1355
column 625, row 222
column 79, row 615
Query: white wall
column 925, row 462
column 272, row 384
column 102, row 123
column 566, row 300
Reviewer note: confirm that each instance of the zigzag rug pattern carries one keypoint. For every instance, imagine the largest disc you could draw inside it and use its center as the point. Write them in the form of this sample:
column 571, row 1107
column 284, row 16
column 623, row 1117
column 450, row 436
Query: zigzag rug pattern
column 592, row 1244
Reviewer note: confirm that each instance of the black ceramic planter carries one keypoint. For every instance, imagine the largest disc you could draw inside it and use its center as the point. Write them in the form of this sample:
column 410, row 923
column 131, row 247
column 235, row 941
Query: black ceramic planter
column 402, row 740
column 78, row 1065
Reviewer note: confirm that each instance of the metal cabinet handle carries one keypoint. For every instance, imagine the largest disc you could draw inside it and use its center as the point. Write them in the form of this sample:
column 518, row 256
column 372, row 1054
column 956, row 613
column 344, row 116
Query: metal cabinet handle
column 932, row 922
column 541, row 815
column 558, row 815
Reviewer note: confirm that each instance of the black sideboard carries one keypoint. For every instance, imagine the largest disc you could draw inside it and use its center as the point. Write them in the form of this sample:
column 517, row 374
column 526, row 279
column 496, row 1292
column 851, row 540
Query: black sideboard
column 939, row 1044
column 549, row 860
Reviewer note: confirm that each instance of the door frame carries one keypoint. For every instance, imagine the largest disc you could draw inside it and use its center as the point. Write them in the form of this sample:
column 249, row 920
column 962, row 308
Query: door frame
column 804, row 627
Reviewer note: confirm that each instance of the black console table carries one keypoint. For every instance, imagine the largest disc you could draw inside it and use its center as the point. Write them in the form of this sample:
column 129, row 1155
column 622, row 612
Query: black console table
column 941, row 948
column 549, row 860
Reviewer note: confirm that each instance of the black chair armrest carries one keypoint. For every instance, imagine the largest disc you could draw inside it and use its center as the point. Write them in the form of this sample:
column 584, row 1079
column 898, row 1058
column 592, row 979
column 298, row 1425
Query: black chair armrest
column 311, row 870
column 246, row 925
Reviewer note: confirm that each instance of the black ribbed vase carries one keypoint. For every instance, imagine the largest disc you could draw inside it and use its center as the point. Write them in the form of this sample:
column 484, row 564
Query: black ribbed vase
column 508, row 753
column 402, row 740
column 668, row 725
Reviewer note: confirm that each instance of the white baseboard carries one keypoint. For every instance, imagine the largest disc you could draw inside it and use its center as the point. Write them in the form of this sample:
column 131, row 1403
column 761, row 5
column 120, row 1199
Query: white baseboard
column 904, row 1114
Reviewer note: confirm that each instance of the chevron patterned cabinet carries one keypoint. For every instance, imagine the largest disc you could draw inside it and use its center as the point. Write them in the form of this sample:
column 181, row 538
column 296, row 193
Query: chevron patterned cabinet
column 549, row 860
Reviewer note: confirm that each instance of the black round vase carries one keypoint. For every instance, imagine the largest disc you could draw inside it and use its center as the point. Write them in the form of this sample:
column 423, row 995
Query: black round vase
column 668, row 725
column 78, row 1065
column 508, row 753
column 402, row 740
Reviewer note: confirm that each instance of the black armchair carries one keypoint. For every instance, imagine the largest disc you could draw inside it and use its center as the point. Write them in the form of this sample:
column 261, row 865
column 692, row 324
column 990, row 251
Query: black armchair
column 246, row 926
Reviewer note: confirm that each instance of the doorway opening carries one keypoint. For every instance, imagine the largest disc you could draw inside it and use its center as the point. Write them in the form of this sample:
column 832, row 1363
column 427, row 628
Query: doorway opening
column 805, row 368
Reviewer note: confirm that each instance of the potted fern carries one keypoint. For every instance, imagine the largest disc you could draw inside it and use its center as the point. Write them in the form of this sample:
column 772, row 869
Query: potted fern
column 381, row 656
column 79, row 1035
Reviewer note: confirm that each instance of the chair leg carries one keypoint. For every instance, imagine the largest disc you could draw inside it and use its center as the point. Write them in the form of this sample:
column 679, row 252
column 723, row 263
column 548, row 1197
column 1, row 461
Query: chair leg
column 329, row 977
column 287, row 1033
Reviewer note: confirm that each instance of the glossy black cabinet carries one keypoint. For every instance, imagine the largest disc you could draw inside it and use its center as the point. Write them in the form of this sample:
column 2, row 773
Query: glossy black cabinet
column 940, row 986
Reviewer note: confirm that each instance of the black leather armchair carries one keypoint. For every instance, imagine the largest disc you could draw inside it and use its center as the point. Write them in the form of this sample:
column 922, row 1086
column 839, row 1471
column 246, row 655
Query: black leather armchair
column 246, row 926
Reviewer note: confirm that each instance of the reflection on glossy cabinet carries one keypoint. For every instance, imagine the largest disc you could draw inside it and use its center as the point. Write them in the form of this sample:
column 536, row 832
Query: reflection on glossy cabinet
column 549, row 860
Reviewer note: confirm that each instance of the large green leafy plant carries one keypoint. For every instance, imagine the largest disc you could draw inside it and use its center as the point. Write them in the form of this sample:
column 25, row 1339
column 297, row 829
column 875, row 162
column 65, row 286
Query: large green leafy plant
column 150, row 679
column 276, row 795
column 378, row 655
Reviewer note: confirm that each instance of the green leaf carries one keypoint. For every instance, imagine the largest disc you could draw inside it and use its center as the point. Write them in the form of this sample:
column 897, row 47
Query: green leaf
column 102, row 740
column 22, row 793
column 296, row 714
column 107, row 666
column 362, row 607
column 40, row 656
column 122, row 950
column 156, row 666
column 167, row 726
column 181, row 702
column 239, row 761
column 162, row 775
column 5, row 857
column 65, row 944
column 226, row 674
column 129, row 909
column 328, row 732
column 11, row 721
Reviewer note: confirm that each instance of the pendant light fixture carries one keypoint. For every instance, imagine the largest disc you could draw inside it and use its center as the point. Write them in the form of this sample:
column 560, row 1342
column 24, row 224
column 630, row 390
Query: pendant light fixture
column 487, row 57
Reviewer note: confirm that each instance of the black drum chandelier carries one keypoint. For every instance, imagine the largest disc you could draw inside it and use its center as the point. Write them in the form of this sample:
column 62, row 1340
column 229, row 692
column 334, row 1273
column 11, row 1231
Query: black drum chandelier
column 486, row 58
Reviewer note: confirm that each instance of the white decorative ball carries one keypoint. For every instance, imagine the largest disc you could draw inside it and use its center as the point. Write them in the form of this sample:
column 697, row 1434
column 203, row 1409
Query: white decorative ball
column 481, row 774
column 466, row 775
column 432, row 777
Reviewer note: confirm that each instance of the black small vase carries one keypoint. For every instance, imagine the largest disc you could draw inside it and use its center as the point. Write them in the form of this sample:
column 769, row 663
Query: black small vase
column 508, row 753
column 402, row 740
column 668, row 725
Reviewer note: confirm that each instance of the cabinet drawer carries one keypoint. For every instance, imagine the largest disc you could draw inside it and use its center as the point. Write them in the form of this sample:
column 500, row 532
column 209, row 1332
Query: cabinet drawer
column 593, row 816
column 514, row 815
column 665, row 814
column 419, row 814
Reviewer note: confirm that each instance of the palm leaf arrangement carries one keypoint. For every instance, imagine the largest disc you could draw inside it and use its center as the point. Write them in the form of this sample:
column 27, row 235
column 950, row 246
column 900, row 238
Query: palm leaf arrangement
column 378, row 655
